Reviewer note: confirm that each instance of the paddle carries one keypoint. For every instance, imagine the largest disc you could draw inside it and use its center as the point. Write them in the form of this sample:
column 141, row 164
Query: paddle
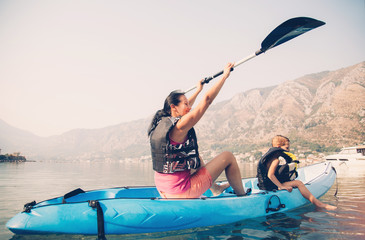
column 284, row 32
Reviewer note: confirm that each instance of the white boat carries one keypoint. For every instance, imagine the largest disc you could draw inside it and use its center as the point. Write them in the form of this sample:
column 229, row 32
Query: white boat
column 349, row 156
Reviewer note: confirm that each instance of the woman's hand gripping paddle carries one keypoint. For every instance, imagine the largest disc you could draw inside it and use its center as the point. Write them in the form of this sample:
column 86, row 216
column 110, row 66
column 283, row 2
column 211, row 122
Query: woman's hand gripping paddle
column 284, row 32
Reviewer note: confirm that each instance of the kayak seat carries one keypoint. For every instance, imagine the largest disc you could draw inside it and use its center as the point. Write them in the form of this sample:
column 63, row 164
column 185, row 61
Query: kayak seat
column 255, row 188
column 251, row 183
column 247, row 185
column 146, row 192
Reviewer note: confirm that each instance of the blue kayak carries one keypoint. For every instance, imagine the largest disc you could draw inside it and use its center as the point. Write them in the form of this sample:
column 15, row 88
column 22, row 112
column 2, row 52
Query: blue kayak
column 128, row 210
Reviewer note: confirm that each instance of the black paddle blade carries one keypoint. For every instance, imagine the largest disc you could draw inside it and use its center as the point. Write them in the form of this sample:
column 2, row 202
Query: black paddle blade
column 288, row 30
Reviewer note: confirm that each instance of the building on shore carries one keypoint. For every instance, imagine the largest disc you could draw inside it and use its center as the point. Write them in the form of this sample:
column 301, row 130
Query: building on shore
column 14, row 157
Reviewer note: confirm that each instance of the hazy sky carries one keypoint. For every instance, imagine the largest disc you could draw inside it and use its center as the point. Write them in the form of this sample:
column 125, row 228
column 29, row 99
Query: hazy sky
column 70, row 64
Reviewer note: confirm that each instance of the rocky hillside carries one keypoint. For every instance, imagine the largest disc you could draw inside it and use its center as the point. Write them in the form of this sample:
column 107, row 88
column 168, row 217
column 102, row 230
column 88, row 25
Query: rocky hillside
column 318, row 112
column 326, row 108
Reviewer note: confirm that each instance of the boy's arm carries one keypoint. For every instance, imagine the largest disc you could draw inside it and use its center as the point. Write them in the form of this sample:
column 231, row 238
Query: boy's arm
column 273, row 164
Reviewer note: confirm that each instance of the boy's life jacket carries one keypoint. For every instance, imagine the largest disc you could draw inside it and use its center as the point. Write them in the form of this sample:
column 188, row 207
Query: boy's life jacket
column 168, row 158
column 284, row 172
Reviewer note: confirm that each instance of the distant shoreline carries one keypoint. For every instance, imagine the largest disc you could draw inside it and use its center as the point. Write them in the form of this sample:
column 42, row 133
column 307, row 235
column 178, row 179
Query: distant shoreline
column 12, row 158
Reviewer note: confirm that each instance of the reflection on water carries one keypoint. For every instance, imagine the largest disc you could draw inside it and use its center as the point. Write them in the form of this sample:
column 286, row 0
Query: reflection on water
column 25, row 182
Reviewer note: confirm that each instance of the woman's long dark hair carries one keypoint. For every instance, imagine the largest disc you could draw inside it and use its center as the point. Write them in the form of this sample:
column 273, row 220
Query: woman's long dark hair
column 172, row 98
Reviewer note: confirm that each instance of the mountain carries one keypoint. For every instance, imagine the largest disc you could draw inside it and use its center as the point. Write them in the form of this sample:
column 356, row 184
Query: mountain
column 13, row 140
column 324, row 109
column 321, row 111
column 113, row 142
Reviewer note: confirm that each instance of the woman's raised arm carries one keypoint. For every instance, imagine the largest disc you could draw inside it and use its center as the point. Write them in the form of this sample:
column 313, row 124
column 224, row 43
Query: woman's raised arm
column 190, row 119
column 199, row 88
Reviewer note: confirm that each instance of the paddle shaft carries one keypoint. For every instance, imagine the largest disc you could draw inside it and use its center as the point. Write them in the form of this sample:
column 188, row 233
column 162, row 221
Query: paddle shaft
column 284, row 32
column 208, row 79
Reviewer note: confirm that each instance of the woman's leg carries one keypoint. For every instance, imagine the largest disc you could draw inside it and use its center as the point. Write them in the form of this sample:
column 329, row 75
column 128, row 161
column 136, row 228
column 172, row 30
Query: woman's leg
column 226, row 161
column 215, row 188
column 308, row 195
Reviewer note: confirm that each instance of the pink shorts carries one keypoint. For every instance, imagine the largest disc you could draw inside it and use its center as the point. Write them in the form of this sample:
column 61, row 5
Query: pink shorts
column 200, row 182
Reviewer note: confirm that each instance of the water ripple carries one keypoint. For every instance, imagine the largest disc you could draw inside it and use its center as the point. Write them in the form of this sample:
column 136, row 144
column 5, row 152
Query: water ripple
column 44, row 180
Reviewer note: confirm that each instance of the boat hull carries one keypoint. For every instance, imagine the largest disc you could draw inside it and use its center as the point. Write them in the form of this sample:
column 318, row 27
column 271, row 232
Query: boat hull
column 141, row 210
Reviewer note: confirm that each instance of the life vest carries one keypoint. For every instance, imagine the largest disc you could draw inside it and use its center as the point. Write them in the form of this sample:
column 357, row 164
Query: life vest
column 284, row 172
column 168, row 158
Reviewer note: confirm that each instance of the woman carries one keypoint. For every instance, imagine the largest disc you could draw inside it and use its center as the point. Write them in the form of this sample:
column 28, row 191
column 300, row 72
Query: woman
column 270, row 177
column 175, row 152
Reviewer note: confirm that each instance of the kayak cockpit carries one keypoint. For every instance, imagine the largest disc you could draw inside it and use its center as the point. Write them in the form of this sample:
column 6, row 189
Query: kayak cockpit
column 78, row 195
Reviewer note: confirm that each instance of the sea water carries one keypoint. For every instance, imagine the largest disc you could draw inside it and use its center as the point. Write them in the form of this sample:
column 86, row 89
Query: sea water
column 21, row 183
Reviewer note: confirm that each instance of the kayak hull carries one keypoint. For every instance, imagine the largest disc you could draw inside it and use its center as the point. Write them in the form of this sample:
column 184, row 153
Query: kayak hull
column 141, row 210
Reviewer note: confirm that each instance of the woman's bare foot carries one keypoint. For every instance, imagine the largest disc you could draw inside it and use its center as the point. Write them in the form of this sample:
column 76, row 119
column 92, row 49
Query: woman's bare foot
column 218, row 189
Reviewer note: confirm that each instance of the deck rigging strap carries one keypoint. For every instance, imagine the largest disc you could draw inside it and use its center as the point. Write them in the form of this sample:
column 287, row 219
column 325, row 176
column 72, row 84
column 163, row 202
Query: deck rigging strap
column 100, row 218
